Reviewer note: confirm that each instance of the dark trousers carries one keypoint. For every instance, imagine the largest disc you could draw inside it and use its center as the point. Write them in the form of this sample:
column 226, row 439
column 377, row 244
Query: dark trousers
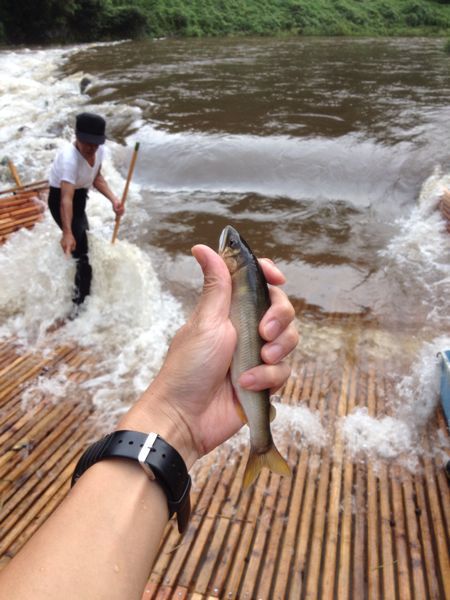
column 80, row 225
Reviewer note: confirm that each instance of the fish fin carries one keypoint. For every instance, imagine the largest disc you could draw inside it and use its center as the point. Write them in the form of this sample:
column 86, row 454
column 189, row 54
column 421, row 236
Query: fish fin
column 271, row 459
column 241, row 412
column 273, row 412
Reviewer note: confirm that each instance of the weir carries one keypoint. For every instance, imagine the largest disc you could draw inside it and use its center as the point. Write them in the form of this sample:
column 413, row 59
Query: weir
column 342, row 527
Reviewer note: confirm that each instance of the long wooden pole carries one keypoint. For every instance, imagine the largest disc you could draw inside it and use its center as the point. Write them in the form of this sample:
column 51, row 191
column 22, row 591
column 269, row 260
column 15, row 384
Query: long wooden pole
column 125, row 191
column 32, row 187
column 14, row 173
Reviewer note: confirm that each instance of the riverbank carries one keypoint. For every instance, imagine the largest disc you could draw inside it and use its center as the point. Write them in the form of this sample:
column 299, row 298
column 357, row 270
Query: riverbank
column 160, row 18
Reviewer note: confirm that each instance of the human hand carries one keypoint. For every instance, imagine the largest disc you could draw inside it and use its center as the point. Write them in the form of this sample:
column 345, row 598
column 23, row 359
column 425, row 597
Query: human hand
column 68, row 243
column 191, row 402
column 118, row 207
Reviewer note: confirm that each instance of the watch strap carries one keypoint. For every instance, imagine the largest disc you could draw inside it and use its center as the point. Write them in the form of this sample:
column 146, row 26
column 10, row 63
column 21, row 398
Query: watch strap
column 159, row 459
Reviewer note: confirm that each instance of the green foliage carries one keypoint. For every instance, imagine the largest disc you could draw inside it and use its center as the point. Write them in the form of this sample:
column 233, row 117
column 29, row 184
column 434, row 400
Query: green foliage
column 99, row 19
column 125, row 22
column 85, row 20
column 40, row 20
column 418, row 14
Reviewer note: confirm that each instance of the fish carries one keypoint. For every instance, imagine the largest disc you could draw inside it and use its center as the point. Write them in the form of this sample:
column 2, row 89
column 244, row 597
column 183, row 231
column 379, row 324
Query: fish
column 250, row 300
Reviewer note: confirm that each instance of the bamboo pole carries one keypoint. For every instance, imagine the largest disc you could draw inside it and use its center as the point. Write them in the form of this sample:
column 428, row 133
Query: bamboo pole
column 14, row 173
column 25, row 493
column 34, row 186
column 334, row 512
column 253, row 503
column 171, row 543
column 303, row 546
column 125, row 191
column 328, row 410
column 373, row 519
column 221, row 519
column 22, row 211
column 285, row 565
column 8, row 225
column 20, row 200
column 346, row 549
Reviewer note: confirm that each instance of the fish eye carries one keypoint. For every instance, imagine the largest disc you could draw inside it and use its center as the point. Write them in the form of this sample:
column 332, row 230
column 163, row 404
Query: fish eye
column 234, row 243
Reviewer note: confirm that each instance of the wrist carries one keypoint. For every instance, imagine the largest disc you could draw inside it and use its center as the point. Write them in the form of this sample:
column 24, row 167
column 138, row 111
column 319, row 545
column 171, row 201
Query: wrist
column 154, row 413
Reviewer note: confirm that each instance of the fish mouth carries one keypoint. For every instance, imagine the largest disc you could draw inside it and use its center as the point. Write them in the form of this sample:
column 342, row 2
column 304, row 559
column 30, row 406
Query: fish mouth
column 227, row 232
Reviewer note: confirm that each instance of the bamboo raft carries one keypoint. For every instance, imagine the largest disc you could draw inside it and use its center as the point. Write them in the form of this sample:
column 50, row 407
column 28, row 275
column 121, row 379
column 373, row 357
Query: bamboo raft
column 339, row 528
column 21, row 206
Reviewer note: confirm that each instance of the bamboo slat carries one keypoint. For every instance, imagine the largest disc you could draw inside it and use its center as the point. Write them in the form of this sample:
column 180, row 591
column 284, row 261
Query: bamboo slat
column 339, row 528
column 318, row 534
column 331, row 547
column 34, row 186
column 20, row 207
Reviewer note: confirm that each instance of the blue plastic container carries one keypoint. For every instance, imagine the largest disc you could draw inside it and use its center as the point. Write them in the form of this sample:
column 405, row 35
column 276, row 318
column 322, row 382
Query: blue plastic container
column 445, row 383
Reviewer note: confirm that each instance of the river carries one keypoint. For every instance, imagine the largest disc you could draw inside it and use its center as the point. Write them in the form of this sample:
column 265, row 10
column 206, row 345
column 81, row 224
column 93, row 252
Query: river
column 328, row 155
column 313, row 148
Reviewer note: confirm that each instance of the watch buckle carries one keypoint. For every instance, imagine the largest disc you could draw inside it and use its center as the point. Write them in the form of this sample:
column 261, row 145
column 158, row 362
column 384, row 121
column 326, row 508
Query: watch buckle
column 144, row 453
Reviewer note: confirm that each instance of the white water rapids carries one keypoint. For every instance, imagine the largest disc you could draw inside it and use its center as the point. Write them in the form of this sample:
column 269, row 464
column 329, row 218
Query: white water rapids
column 130, row 317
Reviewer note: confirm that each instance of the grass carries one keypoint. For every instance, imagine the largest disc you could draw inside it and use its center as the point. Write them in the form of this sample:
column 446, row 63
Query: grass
column 92, row 20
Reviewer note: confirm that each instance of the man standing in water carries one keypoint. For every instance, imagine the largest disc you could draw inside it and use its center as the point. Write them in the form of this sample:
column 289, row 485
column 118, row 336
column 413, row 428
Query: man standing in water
column 75, row 169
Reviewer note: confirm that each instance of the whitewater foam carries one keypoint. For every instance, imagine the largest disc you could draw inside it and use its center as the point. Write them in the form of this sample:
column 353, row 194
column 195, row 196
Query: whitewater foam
column 128, row 320
column 412, row 403
column 418, row 259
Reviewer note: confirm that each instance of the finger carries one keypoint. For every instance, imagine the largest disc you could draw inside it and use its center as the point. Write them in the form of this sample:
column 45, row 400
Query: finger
column 216, row 295
column 265, row 377
column 283, row 345
column 278, row 316
column 271, row 272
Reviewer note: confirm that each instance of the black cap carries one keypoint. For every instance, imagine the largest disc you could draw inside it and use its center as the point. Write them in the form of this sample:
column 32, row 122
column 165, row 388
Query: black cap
column 90, row 128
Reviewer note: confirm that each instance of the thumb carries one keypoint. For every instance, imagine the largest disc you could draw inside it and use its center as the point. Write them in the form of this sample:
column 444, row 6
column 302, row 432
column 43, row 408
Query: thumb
column 216, row 295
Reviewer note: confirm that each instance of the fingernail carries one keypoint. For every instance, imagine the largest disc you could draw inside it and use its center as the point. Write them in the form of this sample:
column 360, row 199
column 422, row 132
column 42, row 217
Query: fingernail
column 247, row 380
column 272, row 329
column 273, row 353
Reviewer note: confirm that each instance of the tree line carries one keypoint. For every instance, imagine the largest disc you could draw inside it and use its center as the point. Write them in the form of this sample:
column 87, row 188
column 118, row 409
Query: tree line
column 53, row 21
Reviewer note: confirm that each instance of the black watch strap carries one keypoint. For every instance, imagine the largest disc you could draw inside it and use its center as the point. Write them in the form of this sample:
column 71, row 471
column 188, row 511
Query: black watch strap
column 159, row 460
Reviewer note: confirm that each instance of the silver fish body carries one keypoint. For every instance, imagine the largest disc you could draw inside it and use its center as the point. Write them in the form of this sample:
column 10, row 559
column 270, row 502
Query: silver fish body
column 250, row 300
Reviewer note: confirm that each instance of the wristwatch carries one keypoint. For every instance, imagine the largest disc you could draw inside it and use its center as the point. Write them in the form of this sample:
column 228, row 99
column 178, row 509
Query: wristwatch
column 159, row 460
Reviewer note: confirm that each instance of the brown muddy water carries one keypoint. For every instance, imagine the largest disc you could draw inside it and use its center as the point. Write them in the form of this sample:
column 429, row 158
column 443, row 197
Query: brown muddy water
column 317, row 150
column 328, row 155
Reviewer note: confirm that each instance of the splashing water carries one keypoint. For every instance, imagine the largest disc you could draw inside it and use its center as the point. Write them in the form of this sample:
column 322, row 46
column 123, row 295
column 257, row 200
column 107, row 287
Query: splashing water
column 398, row 436
column 419, row 257
column 128, row 320
column 422, row 251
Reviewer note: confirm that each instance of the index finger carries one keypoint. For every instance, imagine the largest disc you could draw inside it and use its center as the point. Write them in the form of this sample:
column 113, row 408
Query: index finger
column 271, row 272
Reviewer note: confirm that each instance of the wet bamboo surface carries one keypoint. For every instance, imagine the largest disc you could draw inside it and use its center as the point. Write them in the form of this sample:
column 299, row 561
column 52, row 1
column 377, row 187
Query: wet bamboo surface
column 21, row 206
column 338, row 529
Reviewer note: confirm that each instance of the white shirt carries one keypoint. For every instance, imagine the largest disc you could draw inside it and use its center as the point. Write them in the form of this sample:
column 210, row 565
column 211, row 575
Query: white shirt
column 70, row 166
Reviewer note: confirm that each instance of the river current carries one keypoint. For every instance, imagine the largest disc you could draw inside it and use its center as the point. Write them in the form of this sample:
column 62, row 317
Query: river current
column 328, row 155
column 317, row 150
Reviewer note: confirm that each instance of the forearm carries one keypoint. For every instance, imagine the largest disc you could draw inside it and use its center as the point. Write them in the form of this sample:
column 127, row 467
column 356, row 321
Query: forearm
column 99, row 544
column 66, row 212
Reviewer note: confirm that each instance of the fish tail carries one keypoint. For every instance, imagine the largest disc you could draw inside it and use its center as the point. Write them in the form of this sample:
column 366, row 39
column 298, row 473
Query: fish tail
column 271, row 459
